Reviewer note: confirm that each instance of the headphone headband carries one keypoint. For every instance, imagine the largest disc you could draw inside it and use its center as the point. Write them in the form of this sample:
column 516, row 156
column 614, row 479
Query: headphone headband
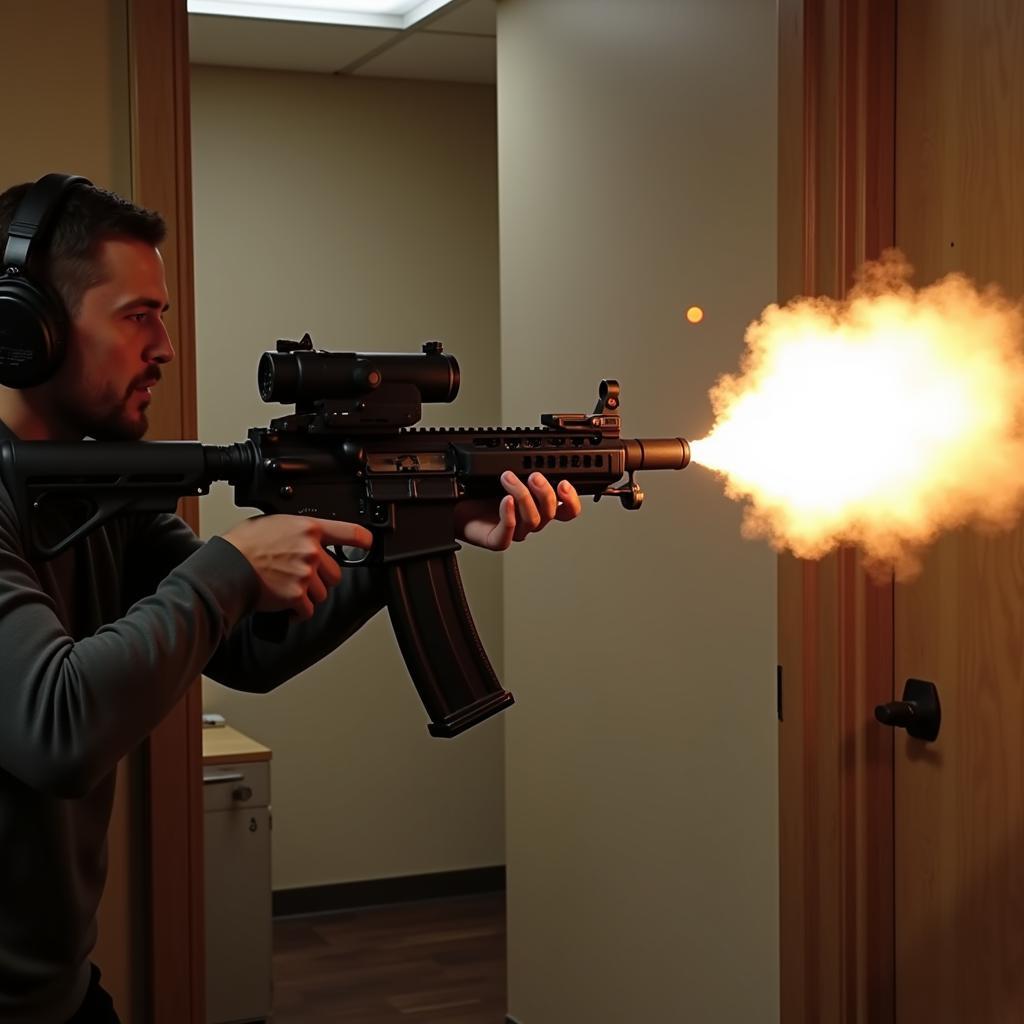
column 34, row 215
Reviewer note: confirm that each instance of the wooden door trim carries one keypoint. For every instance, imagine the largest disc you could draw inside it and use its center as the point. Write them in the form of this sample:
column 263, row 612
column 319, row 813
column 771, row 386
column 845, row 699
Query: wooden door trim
column 161, row 180
column 836, row 198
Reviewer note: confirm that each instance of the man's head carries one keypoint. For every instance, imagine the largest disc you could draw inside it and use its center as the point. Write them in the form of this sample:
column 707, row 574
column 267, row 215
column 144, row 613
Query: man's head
column 100, row 260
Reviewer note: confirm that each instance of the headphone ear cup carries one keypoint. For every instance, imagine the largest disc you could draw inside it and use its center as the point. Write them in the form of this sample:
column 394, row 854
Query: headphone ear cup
column 33, row 333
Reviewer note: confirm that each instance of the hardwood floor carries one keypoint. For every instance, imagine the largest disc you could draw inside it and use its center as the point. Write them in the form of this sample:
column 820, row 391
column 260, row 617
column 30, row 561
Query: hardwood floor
column 436, row 962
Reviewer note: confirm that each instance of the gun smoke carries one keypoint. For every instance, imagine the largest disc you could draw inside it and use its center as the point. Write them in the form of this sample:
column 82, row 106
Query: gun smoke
column 880, row 420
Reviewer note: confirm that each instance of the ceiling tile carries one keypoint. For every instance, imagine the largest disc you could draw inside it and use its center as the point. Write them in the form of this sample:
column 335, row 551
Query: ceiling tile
column 281, row 45
column 434, row 55
column 478, row 17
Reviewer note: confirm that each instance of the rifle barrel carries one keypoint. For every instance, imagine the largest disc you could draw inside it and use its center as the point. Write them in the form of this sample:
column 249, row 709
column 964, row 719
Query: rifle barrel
column 657, row 453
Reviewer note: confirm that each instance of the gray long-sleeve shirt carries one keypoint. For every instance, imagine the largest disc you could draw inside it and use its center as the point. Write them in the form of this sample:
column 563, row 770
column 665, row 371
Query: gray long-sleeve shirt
column 96, row 646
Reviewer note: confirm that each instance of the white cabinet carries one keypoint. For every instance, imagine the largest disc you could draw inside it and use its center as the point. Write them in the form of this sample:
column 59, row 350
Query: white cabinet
column 236, row 799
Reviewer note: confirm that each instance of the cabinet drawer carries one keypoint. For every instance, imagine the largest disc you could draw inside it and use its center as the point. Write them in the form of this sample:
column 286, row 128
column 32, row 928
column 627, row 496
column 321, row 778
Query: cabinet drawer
column 229, row 786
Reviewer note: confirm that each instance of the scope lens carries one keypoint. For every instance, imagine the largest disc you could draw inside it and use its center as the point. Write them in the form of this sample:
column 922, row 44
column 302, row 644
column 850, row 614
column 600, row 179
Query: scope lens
column 265, row 377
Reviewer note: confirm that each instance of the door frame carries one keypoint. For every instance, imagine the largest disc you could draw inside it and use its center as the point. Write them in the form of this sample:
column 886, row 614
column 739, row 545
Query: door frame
column 170, row 831
column 837, row 80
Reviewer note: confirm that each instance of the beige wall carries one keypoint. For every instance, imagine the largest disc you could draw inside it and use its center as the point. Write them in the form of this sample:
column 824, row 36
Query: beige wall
column 637, row 176
column 364, row 212
column 68, row 98
column 68, row 110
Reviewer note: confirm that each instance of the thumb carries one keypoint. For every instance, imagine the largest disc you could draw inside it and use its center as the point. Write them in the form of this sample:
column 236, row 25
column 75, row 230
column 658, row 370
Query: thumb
column 348, row 534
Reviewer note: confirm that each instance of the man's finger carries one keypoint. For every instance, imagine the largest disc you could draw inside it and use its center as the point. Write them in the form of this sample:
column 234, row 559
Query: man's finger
column 317, row 590
column 544, row 497
column 349, row 534
column 529, row 519
column 328, row 569
column 501, row 537
column 569, row 507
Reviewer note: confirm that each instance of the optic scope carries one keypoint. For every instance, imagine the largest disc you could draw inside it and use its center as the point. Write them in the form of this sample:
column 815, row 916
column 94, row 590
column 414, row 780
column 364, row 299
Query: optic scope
column 297, row 373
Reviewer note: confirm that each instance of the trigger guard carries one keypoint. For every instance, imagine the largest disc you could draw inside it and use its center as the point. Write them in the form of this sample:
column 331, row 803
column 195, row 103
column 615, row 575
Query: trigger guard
column 352, row 557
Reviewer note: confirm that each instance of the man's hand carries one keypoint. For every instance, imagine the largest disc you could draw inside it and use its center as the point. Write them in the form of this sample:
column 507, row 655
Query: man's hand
column 524, row 510
column 287, row 552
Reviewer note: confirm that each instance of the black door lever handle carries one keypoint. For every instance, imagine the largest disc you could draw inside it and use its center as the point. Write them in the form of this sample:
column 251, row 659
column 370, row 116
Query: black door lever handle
column 919, row 712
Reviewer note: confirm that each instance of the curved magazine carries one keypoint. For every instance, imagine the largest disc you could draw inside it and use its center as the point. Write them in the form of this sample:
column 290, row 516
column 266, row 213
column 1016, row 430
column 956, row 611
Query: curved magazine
column 441, row 646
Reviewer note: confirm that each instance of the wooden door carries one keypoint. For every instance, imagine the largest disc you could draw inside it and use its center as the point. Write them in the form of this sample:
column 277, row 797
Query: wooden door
column 836, row 90
column 902, row 865
column 959, row 802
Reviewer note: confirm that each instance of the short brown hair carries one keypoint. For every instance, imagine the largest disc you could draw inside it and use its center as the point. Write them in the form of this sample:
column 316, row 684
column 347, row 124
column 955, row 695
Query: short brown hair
column 67, row 261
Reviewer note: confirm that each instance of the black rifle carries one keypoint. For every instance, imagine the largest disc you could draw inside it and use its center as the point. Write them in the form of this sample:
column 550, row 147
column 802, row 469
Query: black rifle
column 350, row 452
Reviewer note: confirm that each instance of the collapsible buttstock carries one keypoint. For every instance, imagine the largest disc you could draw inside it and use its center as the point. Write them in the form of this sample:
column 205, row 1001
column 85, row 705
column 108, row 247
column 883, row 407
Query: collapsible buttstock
column 440, row 644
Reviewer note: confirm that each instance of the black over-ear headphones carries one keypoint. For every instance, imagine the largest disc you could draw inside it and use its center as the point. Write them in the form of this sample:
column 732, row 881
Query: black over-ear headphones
column 33, row 320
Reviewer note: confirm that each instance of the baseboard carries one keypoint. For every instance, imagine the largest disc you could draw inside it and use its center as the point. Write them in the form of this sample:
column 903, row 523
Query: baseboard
column 512, row 1020
column 322, row 899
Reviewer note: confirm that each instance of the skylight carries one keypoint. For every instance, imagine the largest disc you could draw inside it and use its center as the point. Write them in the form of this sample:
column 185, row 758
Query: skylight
column 393, row 14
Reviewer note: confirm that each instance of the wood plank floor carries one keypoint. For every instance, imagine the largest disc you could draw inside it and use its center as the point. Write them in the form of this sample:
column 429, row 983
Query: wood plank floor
column 435, row 962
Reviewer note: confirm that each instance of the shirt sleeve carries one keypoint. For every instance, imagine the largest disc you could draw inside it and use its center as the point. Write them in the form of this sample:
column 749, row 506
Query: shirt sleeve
column 73, row 708
column 243, row 660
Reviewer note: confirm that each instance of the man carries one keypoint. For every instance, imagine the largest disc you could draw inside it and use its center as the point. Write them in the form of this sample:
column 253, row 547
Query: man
column 98, row 644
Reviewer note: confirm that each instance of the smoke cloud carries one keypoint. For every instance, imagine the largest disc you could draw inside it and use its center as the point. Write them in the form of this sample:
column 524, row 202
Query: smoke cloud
column 880, row 420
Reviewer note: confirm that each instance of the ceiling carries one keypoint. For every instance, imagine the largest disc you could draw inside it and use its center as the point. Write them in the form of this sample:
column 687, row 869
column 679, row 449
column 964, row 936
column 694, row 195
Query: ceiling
column 456, row 44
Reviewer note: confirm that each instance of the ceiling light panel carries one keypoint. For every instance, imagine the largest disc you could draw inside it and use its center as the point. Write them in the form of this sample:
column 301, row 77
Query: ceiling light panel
column 393, row 14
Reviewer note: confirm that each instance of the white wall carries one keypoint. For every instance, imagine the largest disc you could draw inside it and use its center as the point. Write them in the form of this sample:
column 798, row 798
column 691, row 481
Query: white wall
column 364, row 212
column 637, row 176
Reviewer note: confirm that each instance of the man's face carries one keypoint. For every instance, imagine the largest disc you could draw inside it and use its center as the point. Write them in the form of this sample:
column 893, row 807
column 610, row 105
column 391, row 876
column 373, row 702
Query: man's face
column 116, row 346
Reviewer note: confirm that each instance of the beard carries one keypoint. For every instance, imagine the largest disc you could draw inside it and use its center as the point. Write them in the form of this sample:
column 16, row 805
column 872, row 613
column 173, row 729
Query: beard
column 110, row 415
column 117, row 425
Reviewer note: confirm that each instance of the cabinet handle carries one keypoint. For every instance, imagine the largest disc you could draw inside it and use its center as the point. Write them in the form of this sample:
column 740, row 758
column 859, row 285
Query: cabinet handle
column 217, row 777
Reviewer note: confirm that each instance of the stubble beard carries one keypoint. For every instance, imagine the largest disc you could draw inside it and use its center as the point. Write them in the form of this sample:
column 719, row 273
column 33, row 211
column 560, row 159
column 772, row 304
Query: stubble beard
column 118, row 426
